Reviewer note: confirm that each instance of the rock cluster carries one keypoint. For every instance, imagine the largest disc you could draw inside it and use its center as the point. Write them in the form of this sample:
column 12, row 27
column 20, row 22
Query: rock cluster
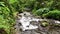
column 28, row 24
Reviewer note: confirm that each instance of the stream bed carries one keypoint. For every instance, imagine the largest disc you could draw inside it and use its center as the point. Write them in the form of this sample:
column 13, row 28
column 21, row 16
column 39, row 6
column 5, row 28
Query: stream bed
column 26, row 23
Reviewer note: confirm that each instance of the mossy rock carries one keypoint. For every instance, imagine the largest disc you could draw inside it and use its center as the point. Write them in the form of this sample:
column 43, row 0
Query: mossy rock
column 44, row 24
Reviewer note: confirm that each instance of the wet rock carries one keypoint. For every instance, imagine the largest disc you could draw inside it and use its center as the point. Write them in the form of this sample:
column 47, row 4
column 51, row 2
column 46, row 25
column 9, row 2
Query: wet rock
column 26, row 32
column 42, row 26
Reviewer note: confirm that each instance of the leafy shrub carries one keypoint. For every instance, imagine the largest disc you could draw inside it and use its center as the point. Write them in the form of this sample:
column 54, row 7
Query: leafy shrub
column 55, row 14
column 42, row 11
column 6, row 19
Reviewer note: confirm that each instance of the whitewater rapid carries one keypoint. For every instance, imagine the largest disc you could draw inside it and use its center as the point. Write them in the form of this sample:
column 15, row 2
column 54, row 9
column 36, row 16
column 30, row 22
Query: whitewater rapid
column 25, row 20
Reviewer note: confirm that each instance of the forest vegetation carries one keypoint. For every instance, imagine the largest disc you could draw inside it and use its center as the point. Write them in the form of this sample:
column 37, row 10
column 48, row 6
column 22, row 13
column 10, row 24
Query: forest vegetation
column 9, row 8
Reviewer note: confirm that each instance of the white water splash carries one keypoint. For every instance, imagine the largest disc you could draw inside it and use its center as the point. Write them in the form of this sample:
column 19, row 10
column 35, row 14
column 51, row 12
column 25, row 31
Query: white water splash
column 25, row 21
column 57, row 22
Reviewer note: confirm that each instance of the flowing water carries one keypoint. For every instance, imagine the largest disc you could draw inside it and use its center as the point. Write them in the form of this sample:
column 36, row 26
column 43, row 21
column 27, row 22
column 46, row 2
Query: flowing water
column 28, row 24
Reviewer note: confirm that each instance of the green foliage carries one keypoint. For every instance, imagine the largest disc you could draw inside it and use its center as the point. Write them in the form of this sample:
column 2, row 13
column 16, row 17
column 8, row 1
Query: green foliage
column 42, row 11
column 2, row 4
column 12, row 1
column 5, row 18
column 55, row 14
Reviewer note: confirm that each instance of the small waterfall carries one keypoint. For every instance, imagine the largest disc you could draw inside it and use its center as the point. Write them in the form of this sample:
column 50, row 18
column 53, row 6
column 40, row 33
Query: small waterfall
column 26, row 19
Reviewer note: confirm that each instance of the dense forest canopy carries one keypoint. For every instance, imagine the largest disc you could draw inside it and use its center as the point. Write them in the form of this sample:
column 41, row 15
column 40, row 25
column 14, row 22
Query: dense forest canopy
column 43, row 8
